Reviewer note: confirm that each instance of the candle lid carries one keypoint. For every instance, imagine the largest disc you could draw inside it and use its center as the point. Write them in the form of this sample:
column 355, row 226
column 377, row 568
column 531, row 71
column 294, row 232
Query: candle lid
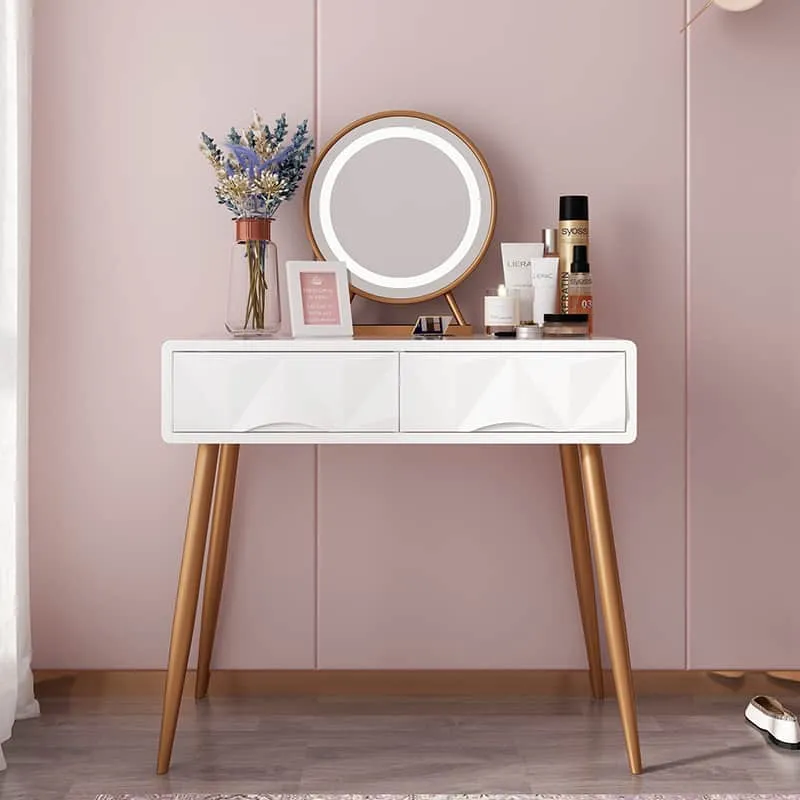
column 566, row 317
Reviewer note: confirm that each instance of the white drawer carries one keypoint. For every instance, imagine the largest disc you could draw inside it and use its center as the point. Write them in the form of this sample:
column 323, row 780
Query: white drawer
column 284, row 392
column 474, row 392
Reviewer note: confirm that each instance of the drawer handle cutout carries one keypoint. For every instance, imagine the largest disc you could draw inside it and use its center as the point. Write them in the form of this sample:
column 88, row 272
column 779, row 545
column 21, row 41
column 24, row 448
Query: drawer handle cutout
column 289, row 427
column 499, row 427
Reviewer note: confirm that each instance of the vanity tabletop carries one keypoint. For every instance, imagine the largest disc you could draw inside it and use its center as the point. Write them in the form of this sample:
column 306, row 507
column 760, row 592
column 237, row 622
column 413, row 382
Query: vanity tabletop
column 478, row 343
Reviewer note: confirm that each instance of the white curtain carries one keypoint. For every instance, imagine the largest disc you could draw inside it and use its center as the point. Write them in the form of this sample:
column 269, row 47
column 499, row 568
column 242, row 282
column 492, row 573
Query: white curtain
column 16, row 682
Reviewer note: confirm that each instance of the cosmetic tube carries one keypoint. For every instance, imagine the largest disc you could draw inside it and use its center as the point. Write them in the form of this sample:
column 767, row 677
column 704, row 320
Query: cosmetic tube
column 544, row 274
column 517, row 262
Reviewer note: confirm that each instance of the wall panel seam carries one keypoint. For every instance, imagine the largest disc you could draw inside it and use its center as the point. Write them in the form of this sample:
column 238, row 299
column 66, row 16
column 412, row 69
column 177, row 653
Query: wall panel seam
column 687, row 332
column 316, row 129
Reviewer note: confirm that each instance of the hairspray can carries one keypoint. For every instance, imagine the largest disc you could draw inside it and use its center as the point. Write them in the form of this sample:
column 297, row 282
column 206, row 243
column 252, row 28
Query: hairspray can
column 573, row 228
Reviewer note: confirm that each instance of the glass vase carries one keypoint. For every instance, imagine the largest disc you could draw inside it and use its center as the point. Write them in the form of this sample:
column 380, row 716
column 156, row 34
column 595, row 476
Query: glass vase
column 254, row 307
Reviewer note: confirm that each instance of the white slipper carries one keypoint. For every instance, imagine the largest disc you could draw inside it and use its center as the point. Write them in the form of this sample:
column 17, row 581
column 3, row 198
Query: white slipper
column 777, row 722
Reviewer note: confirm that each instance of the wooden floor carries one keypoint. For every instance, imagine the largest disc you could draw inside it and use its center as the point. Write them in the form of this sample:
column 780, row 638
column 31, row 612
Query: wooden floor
column 82, row 747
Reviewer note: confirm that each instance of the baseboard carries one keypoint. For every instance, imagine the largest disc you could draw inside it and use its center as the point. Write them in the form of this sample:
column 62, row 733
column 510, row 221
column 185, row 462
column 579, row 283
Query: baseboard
column 475, row 683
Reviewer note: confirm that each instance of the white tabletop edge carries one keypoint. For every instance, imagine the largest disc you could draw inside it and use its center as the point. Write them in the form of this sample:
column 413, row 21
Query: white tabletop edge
column 452, row 344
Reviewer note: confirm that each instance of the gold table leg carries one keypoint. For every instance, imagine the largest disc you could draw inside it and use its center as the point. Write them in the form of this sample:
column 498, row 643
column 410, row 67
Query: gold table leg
column 611, row 596
column 186, row 602
column 582, row 562
column 215, row 567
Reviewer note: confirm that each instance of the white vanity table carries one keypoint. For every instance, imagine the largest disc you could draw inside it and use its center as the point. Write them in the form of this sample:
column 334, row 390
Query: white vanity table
column 575, row 393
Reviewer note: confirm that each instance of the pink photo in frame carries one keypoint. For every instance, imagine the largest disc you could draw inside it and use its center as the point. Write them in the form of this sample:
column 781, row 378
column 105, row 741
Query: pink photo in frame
column 319, row 298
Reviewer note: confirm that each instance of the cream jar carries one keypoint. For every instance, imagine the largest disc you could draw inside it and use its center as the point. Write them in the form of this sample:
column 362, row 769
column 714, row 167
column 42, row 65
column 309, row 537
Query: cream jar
column 528, row 331
column 500, row 311
column 566, row 325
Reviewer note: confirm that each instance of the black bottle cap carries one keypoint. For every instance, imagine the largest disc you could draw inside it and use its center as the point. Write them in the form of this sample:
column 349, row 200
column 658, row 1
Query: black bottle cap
column 580, row 255
column 573, row 206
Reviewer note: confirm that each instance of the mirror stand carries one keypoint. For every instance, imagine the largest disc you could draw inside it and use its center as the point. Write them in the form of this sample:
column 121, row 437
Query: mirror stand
column 460, row 326
column 457, row 315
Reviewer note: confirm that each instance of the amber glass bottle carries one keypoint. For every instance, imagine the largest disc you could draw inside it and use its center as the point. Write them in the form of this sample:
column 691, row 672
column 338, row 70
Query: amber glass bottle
column 580, row 284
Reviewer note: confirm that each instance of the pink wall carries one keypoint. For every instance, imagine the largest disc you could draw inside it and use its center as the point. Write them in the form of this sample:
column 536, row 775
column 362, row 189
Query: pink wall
column 744, row 380
column 331, row 565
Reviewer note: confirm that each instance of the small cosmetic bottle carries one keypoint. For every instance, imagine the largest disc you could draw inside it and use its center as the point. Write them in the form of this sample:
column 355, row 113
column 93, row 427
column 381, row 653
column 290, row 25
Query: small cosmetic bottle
column 500, row 311
column 550, row 236
column 580, row 284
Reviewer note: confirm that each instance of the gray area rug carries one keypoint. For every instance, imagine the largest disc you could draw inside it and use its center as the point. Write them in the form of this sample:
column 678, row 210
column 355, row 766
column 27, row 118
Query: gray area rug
column 449, row 797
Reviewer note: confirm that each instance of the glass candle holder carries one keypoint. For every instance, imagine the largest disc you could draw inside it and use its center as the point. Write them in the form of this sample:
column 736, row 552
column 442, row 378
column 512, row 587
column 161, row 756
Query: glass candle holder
column 500, row 311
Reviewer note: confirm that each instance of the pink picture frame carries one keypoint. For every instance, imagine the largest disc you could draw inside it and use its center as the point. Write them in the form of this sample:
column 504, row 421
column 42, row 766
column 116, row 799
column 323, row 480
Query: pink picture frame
column 319, row 299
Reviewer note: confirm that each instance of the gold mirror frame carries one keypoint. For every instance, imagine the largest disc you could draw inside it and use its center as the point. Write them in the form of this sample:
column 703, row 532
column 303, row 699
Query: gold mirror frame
column 447, row 291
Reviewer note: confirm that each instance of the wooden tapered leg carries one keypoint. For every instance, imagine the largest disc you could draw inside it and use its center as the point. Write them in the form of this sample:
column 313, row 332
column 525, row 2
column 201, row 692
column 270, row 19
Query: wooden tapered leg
column 602, row 534
column 215, row 566
column 582, row 562
column 186, row 602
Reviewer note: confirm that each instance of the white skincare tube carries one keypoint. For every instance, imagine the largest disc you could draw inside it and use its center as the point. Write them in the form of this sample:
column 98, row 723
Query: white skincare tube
column 518, row 260
column 544, row 274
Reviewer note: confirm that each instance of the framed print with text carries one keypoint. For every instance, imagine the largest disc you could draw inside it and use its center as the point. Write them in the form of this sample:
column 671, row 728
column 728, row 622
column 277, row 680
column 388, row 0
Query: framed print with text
column 319, row 298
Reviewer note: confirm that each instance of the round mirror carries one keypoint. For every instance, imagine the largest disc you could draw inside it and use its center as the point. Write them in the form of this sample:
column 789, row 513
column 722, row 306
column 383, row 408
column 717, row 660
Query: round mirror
column 406, row 201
